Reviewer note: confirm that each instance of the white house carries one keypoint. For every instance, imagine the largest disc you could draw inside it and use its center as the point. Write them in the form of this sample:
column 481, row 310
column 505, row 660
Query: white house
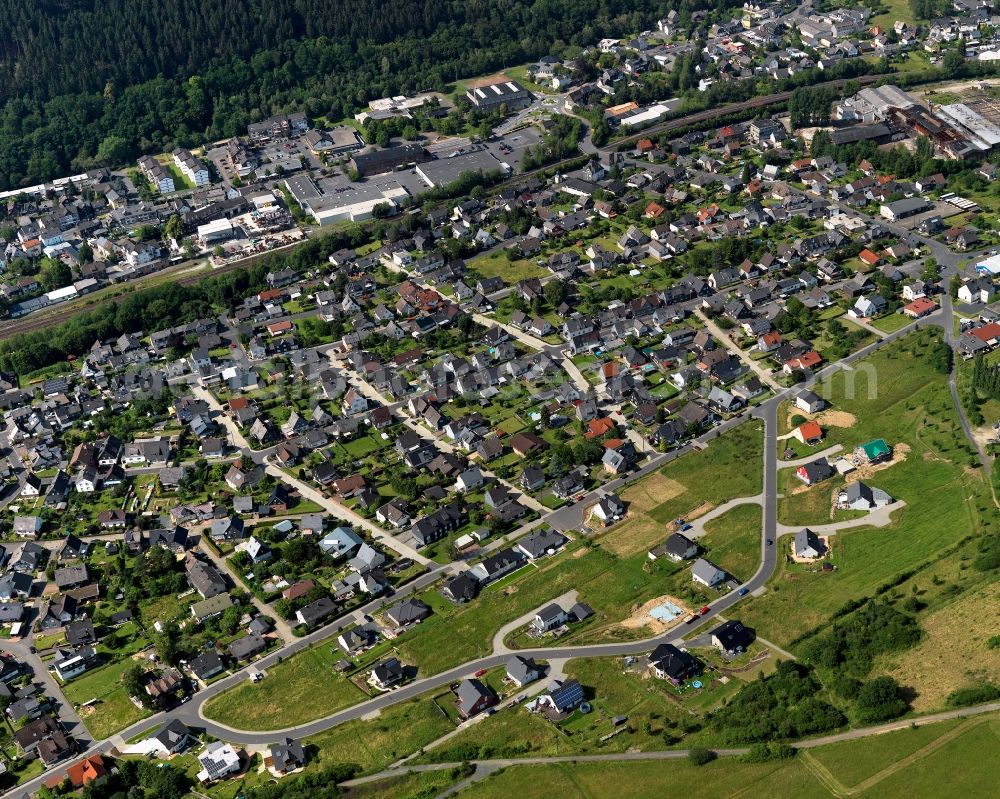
column 707, row 573
column 609, row 509
column 978, row 290
column 859, row 496
column 217, row 761
column 549, row 617
column 867, row 307
column 469, row 480
column 809, row 402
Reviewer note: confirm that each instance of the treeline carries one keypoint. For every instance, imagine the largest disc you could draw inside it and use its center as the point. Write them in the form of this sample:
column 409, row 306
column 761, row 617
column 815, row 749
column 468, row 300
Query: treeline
column 811, row 106
column 781, row 706
column 897, row 161
column 181, row 73
column 985, row 378
column 560, row 141
column 851, row 646
column 310, row 785
column 165, row 306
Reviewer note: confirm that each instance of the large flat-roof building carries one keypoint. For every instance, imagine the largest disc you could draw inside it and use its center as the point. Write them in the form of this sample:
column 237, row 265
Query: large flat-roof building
column 901, row 209
column 334, row 202
column 445, row 171
column 494, row 92
column 873, row 104
column 982, row 132
column 218, row 230
column 388, row 159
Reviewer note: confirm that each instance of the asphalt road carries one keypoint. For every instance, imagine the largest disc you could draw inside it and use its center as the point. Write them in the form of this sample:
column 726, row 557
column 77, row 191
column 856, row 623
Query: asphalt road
column 190, row 712
column 563, row 518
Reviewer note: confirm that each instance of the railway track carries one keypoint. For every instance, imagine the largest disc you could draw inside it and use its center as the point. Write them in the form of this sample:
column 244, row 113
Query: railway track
column 32, row 323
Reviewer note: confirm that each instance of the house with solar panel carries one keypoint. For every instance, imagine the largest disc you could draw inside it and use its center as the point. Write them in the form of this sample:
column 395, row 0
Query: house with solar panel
column 561, row 697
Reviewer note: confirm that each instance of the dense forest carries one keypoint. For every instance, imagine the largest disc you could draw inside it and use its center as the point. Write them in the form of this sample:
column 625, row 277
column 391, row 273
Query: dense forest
column 87, row 83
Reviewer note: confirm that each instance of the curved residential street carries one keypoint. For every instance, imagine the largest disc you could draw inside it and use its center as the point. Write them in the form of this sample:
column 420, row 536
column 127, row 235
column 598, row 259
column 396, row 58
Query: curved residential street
column 191, row 712
column 565, row 518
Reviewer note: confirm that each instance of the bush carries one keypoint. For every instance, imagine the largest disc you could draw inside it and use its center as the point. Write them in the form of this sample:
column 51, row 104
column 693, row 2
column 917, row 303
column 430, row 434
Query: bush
column 989, row 554
column 766, row 752
column 880, row 700
column 701, row 756
column 851, row 646
column 781, row 705
column 973, row 695
column 798, row 419
column 845, row 686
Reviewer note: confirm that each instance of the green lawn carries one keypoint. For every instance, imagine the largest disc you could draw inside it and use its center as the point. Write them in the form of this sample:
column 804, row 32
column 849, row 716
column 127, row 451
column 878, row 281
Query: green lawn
column 892, row 10
column 299, row 689
column 955, row 769
column 892, row 322
column 910, row 405
column 373, row 745
column 113, row 710
column 497, row 265
column 726, row 469
column 732, row 541
column 181, row 182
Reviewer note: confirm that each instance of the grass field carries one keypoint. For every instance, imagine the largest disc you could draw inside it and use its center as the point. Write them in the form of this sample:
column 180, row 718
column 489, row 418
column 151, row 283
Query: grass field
column 695, row 480
column 424, row 784
column 373, row 745
column 945, row 762
column 909, row 404
column 851, row 763
column 299, row 689
column 113, row 710
column 732, row 541
column 644, row 780
column 891, row 10
column 497, row 265
column 956, row 643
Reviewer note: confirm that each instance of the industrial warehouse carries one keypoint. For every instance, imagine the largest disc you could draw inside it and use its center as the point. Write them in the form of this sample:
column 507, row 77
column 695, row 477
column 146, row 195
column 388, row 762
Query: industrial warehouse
column 966, row 129
column 329, row 201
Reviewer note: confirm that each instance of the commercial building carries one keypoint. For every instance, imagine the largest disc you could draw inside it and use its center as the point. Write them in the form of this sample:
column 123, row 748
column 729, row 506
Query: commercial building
column 446, row 171
column 492, row 93
column 335, row 202
column 982, row 132
column 901, row 209
column 388, row 159
column 219, row 230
